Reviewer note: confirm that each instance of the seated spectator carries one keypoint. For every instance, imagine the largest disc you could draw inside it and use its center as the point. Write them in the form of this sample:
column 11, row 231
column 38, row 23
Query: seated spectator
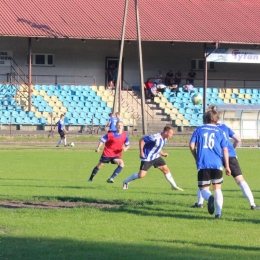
column 160, row 87
column 147, row 86
column 174, row 88
column 188, row 87
column 154, row 91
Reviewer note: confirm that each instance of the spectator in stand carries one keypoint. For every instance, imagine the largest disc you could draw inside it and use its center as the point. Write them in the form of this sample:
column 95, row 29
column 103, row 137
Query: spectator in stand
column 177, row 79
column 159, row 77
column 147, row 86
column 160, row 87
column 154, row 91
column 191, row 77
column 169, row 78
column 188, row 88
column 109, row 72
column 114, row 74
column 174, row 88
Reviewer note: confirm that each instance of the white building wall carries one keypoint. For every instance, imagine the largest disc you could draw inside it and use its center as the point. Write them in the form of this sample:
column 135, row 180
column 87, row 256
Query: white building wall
column 74, row 57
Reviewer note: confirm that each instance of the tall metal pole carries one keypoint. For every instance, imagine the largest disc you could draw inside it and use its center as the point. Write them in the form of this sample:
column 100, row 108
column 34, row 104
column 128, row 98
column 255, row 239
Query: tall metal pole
column 141, row 68
column 119, row 73
column 29, row 71
column 205, row 79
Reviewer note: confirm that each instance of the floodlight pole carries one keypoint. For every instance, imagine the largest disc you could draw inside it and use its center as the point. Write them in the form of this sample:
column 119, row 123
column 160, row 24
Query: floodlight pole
column 119, row 70
column 141, row 68
column 205, row 79
column 29, row 71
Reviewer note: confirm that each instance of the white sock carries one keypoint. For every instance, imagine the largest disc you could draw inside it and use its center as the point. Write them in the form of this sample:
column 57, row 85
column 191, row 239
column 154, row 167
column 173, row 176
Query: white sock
column 170, row 179
column 205, row 194
column 59, row 142
column 218, row 201
column 131, row 178
column 247, row 192
column 199, row 197
column 64, row 141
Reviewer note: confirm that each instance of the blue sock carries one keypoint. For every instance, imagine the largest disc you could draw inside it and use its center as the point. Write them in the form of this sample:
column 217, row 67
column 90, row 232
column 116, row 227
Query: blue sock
column 116, row 172
column 94, row 172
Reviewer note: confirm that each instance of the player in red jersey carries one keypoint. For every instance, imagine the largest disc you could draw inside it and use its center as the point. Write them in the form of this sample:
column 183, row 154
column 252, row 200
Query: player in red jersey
column 115, row 143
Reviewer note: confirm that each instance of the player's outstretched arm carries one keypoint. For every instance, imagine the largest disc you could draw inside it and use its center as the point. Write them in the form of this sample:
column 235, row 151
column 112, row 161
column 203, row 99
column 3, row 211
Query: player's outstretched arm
column 99, row 146
column 162, row 153
column 141, row 147
column 125, row 148
column 237, row 141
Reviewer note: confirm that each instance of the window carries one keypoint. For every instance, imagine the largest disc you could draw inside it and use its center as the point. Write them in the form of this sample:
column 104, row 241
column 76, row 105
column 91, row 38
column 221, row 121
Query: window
column 41, row 59
column 198, row 64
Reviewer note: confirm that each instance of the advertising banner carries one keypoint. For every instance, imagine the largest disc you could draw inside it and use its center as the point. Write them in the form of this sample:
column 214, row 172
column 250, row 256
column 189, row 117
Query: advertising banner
column 5, row 58
column 234, row 55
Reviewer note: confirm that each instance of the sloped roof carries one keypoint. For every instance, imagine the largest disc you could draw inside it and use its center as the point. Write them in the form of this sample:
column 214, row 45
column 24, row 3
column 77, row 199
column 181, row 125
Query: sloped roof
column 229, row 21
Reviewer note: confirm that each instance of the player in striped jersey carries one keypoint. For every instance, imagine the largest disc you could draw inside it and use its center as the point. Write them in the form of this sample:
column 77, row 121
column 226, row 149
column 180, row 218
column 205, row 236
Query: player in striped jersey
column 150, row 151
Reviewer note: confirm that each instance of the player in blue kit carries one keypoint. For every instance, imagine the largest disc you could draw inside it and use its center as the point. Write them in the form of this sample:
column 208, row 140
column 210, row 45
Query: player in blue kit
column 112, row 121
column 61, row 130
column 150, row 150
column 208, row 144
column 234, row 167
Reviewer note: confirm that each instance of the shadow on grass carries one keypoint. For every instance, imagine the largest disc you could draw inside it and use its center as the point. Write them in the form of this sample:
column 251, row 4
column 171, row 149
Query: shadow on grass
column 55, row 249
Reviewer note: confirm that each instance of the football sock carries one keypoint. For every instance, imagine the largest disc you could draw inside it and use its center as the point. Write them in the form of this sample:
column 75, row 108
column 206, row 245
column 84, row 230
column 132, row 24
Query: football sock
column 199, row 197
column 218, row 201
column 59, row 142
column 94, row 172
column 116, row 172
column 205, row 194
column 65, row 141
column 131, row 178
column 170, row 179
column 247, row 192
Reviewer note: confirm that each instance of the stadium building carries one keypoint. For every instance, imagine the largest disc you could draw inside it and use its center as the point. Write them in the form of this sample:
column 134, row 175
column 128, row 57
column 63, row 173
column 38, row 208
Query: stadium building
column 72, row 43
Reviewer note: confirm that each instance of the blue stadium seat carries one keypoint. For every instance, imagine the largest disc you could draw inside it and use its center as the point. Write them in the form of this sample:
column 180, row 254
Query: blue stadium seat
column 242, row 91
column 78, row 109
column 82, row 114
column 255, row 91
column 87, row 121
column 66, row 103
column 76, row 98
column 75, row 114
column 103, row 104
column 95, row 104
column 103, row 121
column 248, row 91
column 98, row 98
column 72, row 121
column 42, row 120
column 27, row 120
column 92, row 93
column 95, row 121
column 41, row 108
column 108, row 109
column 85, row 109
column 81, row 104
column 50, row 93
column 93, row 110
column 71, row 109
column 215, row 90
column 19, row 120
column 48, row 109
column 3, row 120
column 37, row 87
column 66, row 120
column 73, row 104
column 62, row 98
column 35, row 121
column 81, row 121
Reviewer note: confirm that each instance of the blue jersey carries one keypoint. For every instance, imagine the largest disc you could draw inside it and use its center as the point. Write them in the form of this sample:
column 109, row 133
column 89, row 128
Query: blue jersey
column 60, row 125
column 210, row 141
column 113, row 120
column 153, row 145
column 229, row 134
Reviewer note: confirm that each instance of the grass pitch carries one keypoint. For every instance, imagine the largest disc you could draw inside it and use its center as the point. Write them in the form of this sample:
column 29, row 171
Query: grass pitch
column 148, row 221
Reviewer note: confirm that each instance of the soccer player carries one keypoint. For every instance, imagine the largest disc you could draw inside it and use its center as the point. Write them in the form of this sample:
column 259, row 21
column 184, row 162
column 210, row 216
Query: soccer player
column 113, row 121
column 115, row 143
column 61, row 130
column 211, row 144
column 234, row 167
column 150, row 151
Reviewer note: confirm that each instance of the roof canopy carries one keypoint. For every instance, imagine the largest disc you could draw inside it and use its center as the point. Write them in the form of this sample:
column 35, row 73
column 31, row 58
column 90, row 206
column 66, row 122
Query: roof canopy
column 226, row 21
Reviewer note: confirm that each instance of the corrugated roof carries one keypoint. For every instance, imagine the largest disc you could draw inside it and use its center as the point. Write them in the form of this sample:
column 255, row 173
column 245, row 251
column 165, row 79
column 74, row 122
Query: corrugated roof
column 230, row 21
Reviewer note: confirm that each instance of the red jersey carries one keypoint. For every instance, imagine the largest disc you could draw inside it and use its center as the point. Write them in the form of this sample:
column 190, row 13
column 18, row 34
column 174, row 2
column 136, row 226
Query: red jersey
column 114, row 144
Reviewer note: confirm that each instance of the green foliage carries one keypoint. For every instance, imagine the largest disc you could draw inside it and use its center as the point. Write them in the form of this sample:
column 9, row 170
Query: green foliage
column 147, row 221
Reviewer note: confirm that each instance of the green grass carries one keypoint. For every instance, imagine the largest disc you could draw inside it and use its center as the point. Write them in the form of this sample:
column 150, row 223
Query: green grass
column 148, row 221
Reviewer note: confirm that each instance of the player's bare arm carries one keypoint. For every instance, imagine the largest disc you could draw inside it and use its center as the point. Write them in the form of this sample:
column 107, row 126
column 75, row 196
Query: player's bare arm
column 141, row 147
column 99, row 146
column 162, row 153
column 125, row 148
column 193, row 150
column 237, row 141
column 226, row 159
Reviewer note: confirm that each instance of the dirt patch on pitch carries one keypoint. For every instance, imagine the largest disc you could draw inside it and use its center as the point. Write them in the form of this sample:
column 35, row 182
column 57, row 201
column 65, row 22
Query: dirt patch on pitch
column 53, row 205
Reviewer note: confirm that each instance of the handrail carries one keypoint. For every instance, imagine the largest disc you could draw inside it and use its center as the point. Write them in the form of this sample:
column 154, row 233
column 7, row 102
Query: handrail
column 152, row 116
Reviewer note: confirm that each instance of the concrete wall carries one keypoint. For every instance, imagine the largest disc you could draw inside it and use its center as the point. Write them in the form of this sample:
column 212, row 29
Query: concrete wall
column 74, row 57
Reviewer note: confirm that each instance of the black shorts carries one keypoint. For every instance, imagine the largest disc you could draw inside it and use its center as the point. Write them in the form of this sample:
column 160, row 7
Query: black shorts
column 62, row 134
column 206, row 176
column 234, row 167
column 104, row 159
column 145, row 165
